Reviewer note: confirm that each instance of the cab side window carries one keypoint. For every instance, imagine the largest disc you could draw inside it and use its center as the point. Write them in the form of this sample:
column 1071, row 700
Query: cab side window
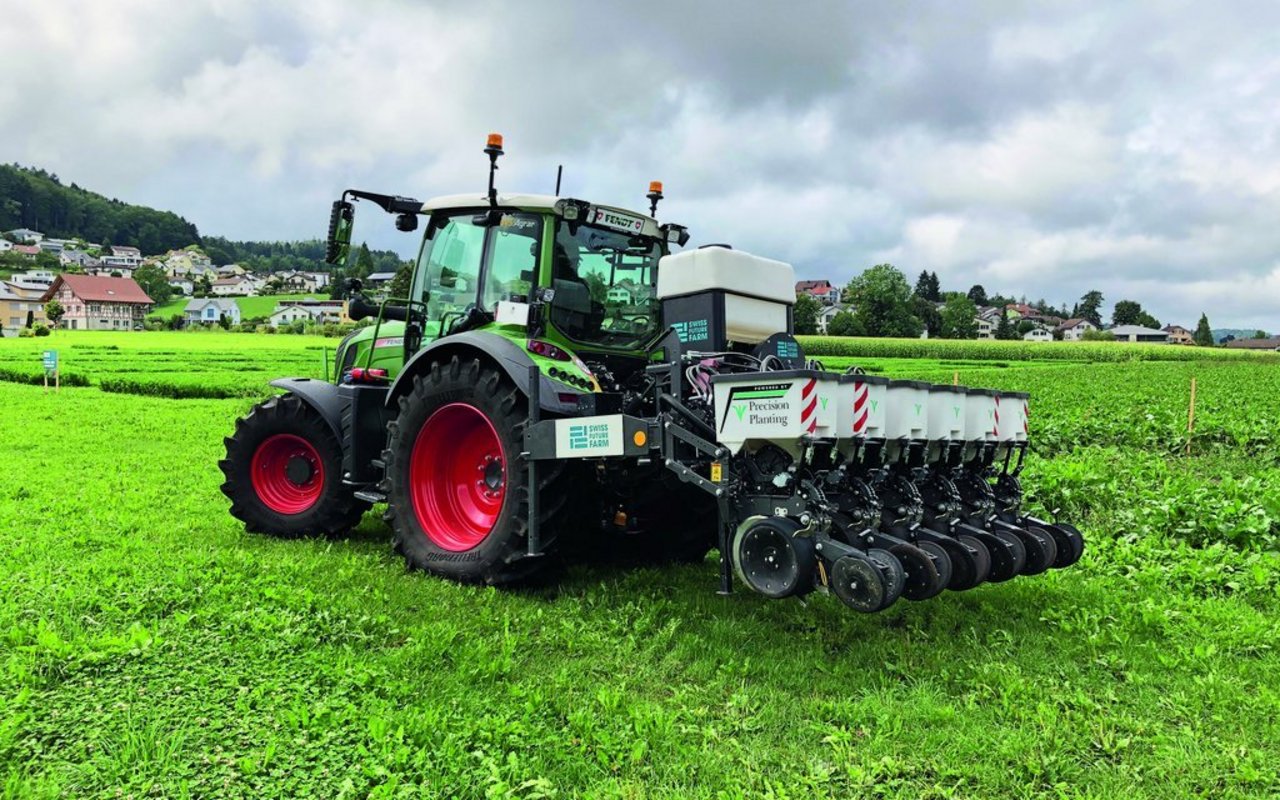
column 512, row 266
column 452, row 265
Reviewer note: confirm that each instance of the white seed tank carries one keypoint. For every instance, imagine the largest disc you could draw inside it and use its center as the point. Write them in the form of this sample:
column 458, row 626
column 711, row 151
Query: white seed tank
column 906, row 412
column 861, row 407
column 758, row 292
column 946, row 413
column 980, row 415
column 1013, row 413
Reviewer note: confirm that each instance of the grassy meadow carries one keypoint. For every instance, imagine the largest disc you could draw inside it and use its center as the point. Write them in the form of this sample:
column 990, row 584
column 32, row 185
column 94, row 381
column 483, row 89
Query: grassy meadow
column 151, row 648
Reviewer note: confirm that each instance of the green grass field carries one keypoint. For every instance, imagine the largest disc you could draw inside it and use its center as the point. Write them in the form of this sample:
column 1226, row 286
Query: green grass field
column 153, row 648
column 249, row 306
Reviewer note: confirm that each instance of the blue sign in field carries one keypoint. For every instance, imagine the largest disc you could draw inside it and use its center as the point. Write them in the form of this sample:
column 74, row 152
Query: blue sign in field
column 50, row 360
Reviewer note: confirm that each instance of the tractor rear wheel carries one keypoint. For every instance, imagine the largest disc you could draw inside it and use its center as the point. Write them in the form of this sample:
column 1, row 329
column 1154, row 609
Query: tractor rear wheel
column 283, row 472
column 457, row 497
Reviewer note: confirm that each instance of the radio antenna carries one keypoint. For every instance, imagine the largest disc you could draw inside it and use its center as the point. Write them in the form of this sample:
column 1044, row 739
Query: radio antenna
column 559, row 172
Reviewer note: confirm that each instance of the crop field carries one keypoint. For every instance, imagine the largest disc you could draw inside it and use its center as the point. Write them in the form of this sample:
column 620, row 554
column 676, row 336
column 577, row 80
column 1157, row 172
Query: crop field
column 151, row 648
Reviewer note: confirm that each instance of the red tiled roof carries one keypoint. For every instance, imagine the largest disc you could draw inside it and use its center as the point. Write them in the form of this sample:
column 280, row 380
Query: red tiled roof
column 96, row 289
column 26, row 249
column 1272, row 343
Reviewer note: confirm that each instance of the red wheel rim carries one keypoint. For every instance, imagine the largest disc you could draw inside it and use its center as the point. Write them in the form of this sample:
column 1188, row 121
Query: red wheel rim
column 287, row 474
column 457, row 477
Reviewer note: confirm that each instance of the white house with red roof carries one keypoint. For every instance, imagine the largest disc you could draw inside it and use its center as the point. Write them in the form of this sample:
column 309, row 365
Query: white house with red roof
column 822, row 290
column 95, row 303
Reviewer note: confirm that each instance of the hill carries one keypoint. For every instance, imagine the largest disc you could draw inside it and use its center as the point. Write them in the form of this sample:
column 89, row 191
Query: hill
column 33, row 198
column 306, row 255
column 1239, row 333
column 36, row 199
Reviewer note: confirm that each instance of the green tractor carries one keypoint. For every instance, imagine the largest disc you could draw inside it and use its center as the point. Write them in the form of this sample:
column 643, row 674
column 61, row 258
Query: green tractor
column 558, row 378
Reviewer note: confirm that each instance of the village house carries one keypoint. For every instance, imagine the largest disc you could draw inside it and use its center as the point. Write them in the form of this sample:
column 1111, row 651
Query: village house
column 16, row 308
column 986, row 328
column 126, row 258
column 210, row 310
column 1037, row 335
column 99, row 304
column 28, row 250
column 289, row 313
column 240, row 285
column 1138, row 333
column 5, row 245
column 378, row 280
column 296, row 282
column 828, row 313
column 34, row 277
column 822, row 290
column 25, row 235
column 1073, row 330
column 78, row 258
column 182, row 286
column 1178, row 334
column 316, row 311
column 1270, row 343
column 1017, row 311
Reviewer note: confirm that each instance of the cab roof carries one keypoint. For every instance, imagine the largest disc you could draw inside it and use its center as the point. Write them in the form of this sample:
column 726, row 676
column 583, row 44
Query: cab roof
column 539, row 202
column 529, row 202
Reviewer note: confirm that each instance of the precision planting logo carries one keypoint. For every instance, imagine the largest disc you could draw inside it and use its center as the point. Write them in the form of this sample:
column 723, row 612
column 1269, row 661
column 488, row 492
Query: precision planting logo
column 583, row 437
column 764, row 402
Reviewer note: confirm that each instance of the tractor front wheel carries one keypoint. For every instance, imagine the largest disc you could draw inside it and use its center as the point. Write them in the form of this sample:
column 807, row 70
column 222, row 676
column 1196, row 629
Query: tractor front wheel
column 455, row 478
column 283, row 472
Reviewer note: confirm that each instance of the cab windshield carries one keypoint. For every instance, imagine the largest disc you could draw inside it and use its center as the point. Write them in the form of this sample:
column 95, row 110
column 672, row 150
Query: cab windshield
column 605, row 285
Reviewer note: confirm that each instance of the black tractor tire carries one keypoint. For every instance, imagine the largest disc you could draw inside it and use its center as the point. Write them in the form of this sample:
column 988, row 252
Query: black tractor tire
column 477, row 535
column 283, row 472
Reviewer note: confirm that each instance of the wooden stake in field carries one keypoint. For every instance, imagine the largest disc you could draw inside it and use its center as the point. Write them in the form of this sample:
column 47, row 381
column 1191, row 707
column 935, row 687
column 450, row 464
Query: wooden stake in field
column 1191, row 415
column 955, row 378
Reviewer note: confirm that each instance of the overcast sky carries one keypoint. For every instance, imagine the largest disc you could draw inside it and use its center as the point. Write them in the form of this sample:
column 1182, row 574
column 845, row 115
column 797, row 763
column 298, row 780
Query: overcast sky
column 1038, row 149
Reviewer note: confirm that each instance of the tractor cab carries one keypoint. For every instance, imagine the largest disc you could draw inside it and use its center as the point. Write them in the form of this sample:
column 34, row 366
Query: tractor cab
column 556, row 276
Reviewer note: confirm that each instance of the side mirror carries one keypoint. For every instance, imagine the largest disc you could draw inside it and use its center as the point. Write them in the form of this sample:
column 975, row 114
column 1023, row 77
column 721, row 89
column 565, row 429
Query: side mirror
column 359, row 308
column 407, row 222
column 338, row 245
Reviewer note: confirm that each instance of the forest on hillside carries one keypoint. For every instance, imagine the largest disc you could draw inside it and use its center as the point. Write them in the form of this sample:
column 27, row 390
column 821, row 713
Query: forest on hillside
column 36, row 199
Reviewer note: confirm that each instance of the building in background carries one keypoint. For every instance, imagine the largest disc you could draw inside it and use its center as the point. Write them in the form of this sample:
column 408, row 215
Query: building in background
column 1138, row 333
column 95, row 303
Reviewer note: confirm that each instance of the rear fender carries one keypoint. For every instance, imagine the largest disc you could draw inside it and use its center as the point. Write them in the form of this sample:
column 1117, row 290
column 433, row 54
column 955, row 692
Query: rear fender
column 319, row 395
column 491, row 349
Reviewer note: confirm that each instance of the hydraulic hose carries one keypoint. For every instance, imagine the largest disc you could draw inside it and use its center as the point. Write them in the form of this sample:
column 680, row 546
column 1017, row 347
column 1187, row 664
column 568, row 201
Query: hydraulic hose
column 684, row 411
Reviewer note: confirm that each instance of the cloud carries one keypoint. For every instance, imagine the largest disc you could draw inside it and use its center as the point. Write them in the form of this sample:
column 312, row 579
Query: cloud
column 1037, row 149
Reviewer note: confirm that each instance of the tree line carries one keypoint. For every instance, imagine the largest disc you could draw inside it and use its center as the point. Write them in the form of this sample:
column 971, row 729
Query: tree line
column 36, row 199
column 883, row 303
